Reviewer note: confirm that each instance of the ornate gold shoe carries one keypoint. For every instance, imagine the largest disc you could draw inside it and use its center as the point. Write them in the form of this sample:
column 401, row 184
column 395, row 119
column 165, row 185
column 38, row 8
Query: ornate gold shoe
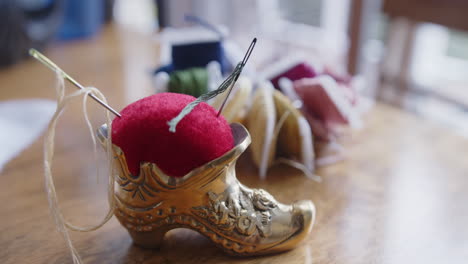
column 210, row 200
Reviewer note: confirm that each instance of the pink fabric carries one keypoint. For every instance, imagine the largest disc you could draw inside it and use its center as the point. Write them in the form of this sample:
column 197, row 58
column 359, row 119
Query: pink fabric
column 299, row 71
column 343, row 78
column 317, row 101
column 344, row 81
column 320, row 109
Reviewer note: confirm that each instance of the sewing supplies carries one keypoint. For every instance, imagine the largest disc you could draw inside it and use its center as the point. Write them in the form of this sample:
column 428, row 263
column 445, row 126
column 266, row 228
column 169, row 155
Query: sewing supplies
column 193, row 81
column 47, row 62
column 210, row 200
column 299, row 71
column 319, row 130
column 241, row 66
column 207, row 198
column 338, row 91
column 201, row 136
column 238, row 103
column 295, row 140
column 226, row 85
column 170, row 149
column 191, row 47
column 63, row 100
column 293, row 68
column 180, row 189
column 213, row 79
column 280, row 134
column 325, row 100
column 260, row 122
column 327, row 150
column 197, row 55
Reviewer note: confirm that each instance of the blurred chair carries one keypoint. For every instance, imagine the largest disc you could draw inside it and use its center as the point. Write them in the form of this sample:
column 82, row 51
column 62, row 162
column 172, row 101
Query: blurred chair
column 405, row 17
column 450, row 13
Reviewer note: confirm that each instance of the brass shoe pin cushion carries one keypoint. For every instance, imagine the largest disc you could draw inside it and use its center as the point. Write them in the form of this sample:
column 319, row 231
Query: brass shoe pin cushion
column 155, row 197
column 169, row 178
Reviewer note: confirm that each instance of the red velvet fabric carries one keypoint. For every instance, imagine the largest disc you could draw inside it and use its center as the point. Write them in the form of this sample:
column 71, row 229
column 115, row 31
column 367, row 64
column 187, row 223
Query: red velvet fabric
column 143, row 134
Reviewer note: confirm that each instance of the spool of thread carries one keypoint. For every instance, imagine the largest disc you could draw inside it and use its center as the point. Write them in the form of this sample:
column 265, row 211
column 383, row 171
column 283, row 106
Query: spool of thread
column 297, row 72
column 193, row 82
column 191, row 55
column 185, row 56
column 324, row 99
column 169, row 68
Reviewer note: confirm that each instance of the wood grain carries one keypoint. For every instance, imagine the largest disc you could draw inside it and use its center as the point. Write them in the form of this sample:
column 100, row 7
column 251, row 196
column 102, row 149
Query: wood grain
column 449, row 13
column 400, row 196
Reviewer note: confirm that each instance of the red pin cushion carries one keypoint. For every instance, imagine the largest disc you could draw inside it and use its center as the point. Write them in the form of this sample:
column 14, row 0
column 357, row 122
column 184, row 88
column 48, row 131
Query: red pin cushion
column 143, row 134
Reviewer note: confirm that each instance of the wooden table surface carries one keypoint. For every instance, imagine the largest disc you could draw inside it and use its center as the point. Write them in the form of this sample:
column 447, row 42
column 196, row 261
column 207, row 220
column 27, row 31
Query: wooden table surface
column 400, row 197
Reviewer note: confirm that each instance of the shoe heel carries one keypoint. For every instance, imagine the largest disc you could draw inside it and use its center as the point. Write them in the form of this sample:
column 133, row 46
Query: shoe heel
column 151, row 240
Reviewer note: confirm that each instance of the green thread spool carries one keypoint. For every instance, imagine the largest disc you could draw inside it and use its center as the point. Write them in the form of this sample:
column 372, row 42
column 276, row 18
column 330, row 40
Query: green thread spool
column 193, row 81
column 227, row 84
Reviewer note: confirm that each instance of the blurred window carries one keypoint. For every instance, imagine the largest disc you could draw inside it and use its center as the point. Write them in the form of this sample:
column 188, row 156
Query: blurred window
column 302, row 11
column 458, row 44
column 440, row 62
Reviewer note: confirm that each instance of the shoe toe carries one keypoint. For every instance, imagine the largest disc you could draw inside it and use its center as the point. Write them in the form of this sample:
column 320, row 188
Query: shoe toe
column 304, row 211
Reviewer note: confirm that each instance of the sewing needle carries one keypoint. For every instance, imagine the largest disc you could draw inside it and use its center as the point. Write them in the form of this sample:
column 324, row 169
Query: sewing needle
column 242, row 64
column 47, row 62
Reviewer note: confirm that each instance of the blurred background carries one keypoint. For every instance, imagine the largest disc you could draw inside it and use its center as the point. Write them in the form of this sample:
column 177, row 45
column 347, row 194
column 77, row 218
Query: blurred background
column 413, row 54
column 400, row 190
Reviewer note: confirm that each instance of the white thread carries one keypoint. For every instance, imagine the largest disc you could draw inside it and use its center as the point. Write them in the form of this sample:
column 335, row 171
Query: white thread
column 61, row 223
column 309, row 174
column 269, row 126
column 280, row 123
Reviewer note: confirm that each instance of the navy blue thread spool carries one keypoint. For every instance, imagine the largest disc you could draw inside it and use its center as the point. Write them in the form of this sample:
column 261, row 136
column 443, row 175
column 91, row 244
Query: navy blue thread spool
column 197, row 53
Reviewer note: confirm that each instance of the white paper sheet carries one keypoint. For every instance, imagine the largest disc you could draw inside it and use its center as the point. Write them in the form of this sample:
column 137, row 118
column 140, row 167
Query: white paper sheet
column 22, row 122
